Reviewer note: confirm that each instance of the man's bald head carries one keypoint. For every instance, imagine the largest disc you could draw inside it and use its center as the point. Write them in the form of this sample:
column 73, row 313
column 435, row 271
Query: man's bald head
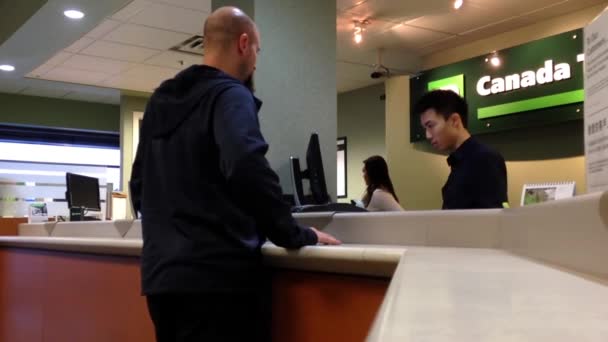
column 224, row 27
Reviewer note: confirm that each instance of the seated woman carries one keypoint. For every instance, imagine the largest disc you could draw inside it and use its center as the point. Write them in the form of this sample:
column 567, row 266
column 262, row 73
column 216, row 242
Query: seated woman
column 380, row 194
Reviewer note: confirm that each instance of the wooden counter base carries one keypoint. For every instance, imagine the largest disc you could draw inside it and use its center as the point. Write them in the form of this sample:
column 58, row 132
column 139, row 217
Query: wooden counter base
column 49, row 296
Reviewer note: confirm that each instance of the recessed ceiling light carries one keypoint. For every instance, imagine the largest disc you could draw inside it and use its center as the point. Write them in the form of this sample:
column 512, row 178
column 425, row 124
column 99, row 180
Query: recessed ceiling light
column 6, row 67
column 458, row 4
column 74, row 14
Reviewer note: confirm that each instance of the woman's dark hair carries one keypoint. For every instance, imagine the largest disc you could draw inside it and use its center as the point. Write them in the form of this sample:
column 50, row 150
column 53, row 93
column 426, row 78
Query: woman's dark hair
column 377, row 174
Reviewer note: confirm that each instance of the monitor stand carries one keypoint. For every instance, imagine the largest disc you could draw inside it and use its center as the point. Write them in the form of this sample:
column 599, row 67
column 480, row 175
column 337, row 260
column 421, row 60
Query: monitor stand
column 77, row 214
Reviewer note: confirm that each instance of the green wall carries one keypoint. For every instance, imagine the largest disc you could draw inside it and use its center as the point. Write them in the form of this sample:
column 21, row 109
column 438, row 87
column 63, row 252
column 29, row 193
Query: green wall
column 42, row 111
column 246, row 6
column 361, row 120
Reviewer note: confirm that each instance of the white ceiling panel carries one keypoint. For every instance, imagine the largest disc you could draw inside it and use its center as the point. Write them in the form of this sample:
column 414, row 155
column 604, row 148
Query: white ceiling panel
column 150, row 72
column 147, row 37
column 59, row 58
column 405, row 36
column 342, row 5
column 44, row 92
column 164, row 17
column 200, row 5
column 468, row 19
column 141, row 78
column 130, row 10
column 468, row 37
column 176, row 60
column 119, row 52
column 398, row 11
column 41, row 70
column 103, row 29
column 98, row 64
column 76, row 76
column 562, row 8
column 79, row 45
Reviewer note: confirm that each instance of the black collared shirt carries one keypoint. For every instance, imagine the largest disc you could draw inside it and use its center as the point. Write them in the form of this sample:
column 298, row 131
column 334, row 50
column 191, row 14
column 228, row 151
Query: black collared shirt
column 478, row 179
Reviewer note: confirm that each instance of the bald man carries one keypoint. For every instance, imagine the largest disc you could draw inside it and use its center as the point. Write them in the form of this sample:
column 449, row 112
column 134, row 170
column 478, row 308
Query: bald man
column 207, row 195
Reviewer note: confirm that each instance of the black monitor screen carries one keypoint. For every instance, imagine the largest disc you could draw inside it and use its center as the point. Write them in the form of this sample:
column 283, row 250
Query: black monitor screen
column 83, row 192
column 316, row 175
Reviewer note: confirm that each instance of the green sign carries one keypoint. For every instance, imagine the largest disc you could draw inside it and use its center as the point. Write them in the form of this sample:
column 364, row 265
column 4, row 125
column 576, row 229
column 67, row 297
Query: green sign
column 454, row 83
column 537, row 83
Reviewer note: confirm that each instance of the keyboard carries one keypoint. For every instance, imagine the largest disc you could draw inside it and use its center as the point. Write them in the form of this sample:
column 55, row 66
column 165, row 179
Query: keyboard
column 330, row 207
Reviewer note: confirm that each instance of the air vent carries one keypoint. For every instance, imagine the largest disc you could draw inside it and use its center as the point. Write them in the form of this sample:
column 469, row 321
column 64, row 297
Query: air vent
column 194, row 45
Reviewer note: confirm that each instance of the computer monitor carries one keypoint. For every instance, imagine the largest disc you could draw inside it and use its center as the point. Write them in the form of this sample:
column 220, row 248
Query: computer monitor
column 315, row 174
column 82, row 192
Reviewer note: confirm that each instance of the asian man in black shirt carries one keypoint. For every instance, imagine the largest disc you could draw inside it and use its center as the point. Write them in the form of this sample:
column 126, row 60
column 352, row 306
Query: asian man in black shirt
column 478, row 177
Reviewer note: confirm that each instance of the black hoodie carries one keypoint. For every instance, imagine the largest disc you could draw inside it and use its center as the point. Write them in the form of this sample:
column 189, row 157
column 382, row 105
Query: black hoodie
column 207, row 195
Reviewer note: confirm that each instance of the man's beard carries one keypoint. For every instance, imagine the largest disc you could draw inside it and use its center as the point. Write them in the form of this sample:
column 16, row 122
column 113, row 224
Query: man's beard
column 249, row 83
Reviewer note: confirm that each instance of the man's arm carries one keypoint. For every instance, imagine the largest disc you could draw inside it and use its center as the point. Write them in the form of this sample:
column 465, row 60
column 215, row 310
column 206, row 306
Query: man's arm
column 251, row 181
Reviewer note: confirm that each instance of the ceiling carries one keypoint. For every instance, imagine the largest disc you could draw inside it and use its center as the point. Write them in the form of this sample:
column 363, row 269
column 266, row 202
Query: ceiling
column 120, row 47
column 124, row 45
column 130, row 49
column 409, row 30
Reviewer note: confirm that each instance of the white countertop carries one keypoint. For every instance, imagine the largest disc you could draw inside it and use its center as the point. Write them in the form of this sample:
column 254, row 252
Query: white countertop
column 453, row 294
column 348, row 259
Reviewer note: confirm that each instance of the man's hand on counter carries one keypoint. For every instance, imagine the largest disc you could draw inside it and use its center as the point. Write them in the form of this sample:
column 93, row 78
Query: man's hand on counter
column 325, row 238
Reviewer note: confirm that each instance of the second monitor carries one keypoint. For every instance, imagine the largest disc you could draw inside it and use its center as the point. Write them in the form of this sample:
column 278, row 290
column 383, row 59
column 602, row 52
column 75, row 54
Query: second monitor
column 319, row 200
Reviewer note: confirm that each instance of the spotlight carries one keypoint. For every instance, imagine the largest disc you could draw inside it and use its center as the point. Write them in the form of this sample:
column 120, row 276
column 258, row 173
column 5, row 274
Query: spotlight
column 495, row 61
column 359, row 28
column 7, row 68
column 74, row 14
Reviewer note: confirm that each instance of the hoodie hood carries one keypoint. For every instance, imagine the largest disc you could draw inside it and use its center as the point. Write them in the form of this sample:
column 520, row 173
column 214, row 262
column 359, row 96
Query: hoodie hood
column 176, row 99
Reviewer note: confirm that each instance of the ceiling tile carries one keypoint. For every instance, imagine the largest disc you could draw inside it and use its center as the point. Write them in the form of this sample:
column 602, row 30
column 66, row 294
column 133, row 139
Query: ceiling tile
column 119, row 52
column 488, row 31
column 171, row 59
column 75, row 76
column 130, row 10
column 467, row 19
column 199, row 5
column 342, row 5
column 103, row 29
column 98, row 64
column 141, row 78
column 59, row 58
column 146, row 37
column 398, row 11
column 79, row 45
column 41, row 70
column 164, row 17
column 405, row 36
column 44, row 92
column 561, row 9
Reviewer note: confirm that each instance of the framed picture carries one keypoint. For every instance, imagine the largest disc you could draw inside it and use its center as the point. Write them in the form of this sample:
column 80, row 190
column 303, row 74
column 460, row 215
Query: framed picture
column 544, row 192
